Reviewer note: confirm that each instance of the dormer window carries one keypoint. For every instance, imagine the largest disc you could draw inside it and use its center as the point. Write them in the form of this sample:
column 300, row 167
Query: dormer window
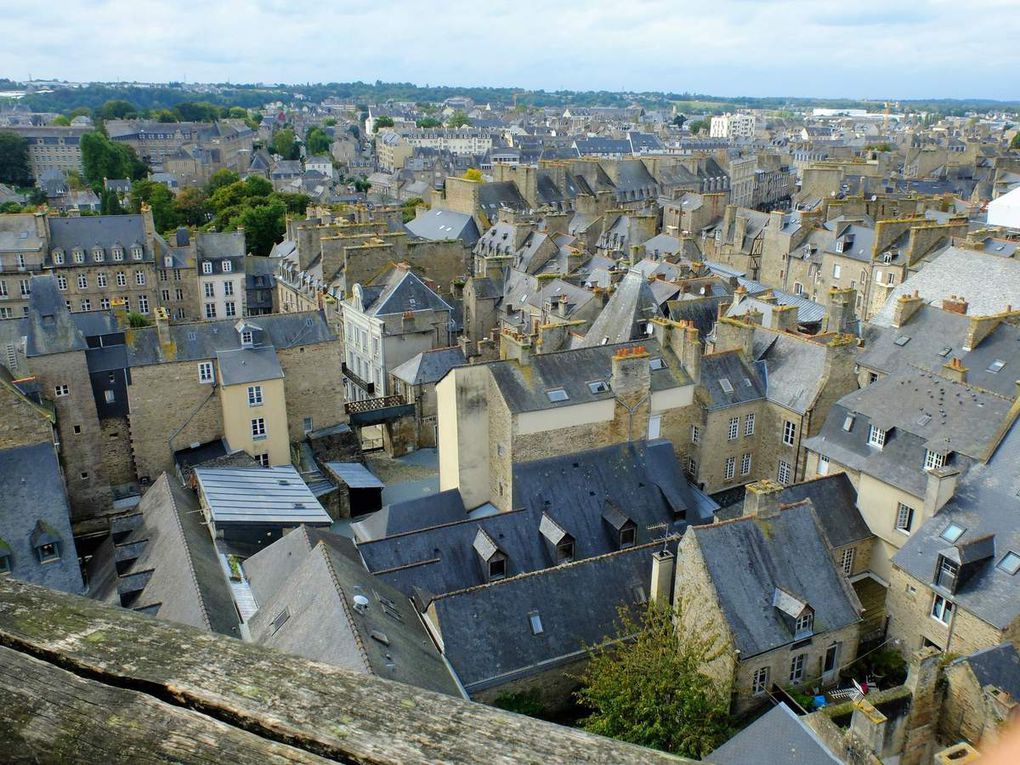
column 557, row 395
column 5, row 557
column 933, row 460
column 876, row 437
column 805, row 623
column 98, row 255
column 628, row 537
column 45, row 542
column 79, row 255
column 247, row 339
column 118, row 252
column 58, row 257
column 565, row 551
column 598, row 386
column 497, row 568
column 493, row 559
column 227, row 266
column 206, row 267
column 136, row 252
column 946, row 574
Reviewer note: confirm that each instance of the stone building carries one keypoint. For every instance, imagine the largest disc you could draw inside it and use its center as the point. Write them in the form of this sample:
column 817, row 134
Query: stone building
column 982, row 695
column 23, row 252
column 766, row 586
column 415, row 381
column 52, row 148
column 219, row 258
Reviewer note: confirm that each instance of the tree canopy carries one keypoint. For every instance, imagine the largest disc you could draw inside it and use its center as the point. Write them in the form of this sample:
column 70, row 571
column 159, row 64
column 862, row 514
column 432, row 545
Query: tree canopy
column 458, row 119
column 285, row 144
column 1015, row 143
column 473, row 174
column 647, row 686
column 428, row 122
column 14, row 164
column 102, row 158
column 381, row 122
column 317, row 141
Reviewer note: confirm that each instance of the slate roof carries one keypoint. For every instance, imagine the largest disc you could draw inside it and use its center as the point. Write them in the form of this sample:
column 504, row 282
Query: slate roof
column 935, row 338
column 524, row 388
column 793, row 368
column 259, row 495
column 219, row 245
column 494, row 196
column 922, row 411
column 355, row 475
column 835, row 501
column 49, row 326
column 186, row 581
column 429, row 367
column 644, row 481
column 311, row 612
column 808, row 311
column 246, row 365
column 748, row 559
column 487, row 631
column 104, row 231
column 438, row 225
column 400, row 290
column 32, row 492
column 203, row 340
column 626, row 314
column 998, row 666
column 412, row 515
column 987, row 501
column 778, row 736
column 745, row 384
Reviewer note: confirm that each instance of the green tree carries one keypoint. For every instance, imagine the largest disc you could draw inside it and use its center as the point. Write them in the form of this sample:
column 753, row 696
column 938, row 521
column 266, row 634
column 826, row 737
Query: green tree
column 237, row 113
column 646, row 685
column 61, row 120
column 264, row 225
column 109, row 204
column 14, row 165
column 192, row 206
column 698, row 125
column 222, row 177
column 473, row 174
column 329, row 122
column 317, row 141
column 679, row 120
column 381, row 122
column 165, row 115
column 197, row 111
column 116, row 110
column 36, row 196
column 458, row 119
column 285, row 144
column 361, row 184
column 296, row 204
column 81, row 111
column 428, row 122
column 9, row 207
column 409, row 208
column 102, row 158
column 1015, row 143
column 160, row 199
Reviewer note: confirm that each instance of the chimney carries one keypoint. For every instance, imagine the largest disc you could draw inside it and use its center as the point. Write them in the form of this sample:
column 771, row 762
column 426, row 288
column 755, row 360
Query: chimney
column 631, row 374
column 905, row 307
column 839, row 311
column 958, row 754
column 119, row 308
column 954, row 370
column 940, row 489
column 662, row 577
column 727, row 221
column 734, row 335
column 868, row 725
column 955, row 304
column 784, row 318
column 761, row 499
column 147, row 223
column 740, row 229
column 515, row 346
column 776, row 219
column 163, row 328
column 980, row 328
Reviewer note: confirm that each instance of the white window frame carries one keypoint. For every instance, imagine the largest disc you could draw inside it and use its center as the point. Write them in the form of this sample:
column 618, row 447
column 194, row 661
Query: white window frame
column 258, row 428
column 805, row 622
column 745, row 464
column 206, row 372
column 942, row 609
column 227, row 266
column 695, row 434
column 876, row 437
column 206, row 267
column 61, row 390
column 749, row 424
column 121, row 279
column 789, row 433
column 228, row 288
column 933, row 460
column 254, row 395
column 210, row 310
column 904, row 518
column 210, row 289
column 797, row 669
column 61, row 282
column 100, row 280
column 230, row 309
column 730, row 468
column 783, row 473
column 761, row 681
column 847, row 560
column 734, row 429
column 143, row 304
column 140, row 278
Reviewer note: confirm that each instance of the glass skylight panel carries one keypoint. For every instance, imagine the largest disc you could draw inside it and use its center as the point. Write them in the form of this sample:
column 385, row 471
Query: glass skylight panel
column 952, row 532
column 656, row 363
column 996, row 366
column 725, row 384
column 1010, row 563
column 557, row 394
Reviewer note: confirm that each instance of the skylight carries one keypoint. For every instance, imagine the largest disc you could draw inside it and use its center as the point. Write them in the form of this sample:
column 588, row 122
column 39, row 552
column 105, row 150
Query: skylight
column 996, row 366
column 557, row 394
column 952, row 532
column 656, row 363
column 724, row 383
column 1010, row 563
column 902, row 340
column 848, row 423
column 945, row 351
column 536, row 623
column 598, row 386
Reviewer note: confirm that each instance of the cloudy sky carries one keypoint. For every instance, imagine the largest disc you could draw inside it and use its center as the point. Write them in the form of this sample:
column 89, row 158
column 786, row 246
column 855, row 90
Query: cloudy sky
column 863, row 48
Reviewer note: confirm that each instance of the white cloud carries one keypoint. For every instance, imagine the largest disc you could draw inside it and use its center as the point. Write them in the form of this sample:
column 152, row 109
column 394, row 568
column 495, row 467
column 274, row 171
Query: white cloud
column 899, row 49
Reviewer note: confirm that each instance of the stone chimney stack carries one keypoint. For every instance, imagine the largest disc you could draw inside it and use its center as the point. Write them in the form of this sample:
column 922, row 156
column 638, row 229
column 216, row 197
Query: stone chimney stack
column 940, row 489
column 631, row 376
column 784, row 318
column 119, row 308
column 868, row 725
column 661, row 590
column 955, row 304
column 163, row 328
column 740, row 229
column 839, row 311
column 515, row 346
column 981, row 327
column 954, row 370
column 734, row 335
column 906, row 306
column 727, row 221
column 761, row 499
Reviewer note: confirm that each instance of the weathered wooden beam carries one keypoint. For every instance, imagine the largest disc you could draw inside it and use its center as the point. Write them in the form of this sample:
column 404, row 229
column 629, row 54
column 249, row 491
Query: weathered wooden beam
column 316, row 708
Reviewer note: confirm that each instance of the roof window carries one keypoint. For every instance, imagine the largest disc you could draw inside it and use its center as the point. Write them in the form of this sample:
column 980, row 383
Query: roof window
column 996, row 366
column 557, row 394
column 1010, row 563
column 725, row 384
column 536, row 623
column 656, row 363
column 952, row 532
column 598, row 386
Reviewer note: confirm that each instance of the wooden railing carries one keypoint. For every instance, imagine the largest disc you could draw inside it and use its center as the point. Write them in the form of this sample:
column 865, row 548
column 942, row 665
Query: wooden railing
column 373, row 404
column 357, row 379
column 82, row 681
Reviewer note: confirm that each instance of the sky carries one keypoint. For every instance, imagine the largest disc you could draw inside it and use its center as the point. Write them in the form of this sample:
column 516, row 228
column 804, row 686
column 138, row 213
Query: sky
column 808, row 48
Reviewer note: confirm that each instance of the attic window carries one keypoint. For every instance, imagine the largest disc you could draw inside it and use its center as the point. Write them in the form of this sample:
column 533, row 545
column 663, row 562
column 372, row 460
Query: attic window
column 497, row 568
column 945, row 351
column 848, row 423
column 557, row 394
column 933, row 460
column 380, row 637
column 1010, row 563
column 536, row 623
column 946, row 574
column 48, row 552
column 996, row 366
column 628, row 536
column 598, row 386
column 725, row 384
column 805, row 623
column 247, row 338
column 656, row 363
column 565, row 551
column 902, row 340
column 876, row 437
column 952, row 532
column 280, row 620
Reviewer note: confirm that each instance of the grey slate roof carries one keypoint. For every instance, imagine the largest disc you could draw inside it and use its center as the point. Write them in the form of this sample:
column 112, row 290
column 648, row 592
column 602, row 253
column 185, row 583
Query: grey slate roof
column 748, row 559
column 259, row 495
column 400, row 290
column 835, row 501
column 727, row 367
column 439, row 225
column 32, row 492
column 626, row 314
column 487, row 631
column 49, row 326
column 355, row 475
column 998, row 666
column 808, row 311
column 429, row 366
column 922, row 411
column 524, row 388
column 645, row 482
column 246, row 365
column 778, row 736
column 312, row 614
column 987, row 501
column 187, row 583
column 103, row 230
column 411, row 515
column 794, row 368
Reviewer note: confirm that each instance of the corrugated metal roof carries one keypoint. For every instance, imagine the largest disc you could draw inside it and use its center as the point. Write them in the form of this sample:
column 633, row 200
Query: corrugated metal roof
column 259, row 495
column 355, row 475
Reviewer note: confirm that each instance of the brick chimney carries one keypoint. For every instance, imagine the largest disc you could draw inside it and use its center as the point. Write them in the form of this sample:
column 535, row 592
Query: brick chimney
column 955, row 304
column 761, row 499
column 954, row 370
column 661, row 590
column 784, row 318
column 905, row 307
column 631, row 375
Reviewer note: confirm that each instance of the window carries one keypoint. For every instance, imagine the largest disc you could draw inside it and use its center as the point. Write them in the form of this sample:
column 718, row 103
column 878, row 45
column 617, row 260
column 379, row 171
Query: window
column 933, row 460
column 761, row 681
column 734, row 429
column 798, row 288
column 83, row 281
column 61, row 282
column 86, row 305
column 177, row 274
column 952, row 532
column 942, row 610
column 121, row 279
column 789, row 433
column 749, row 424
column 104, row 304
column 730, row 467
column 58, row 257
column 595, row 386
column 5, row 563
column 745, row 464
column 848, row 423
column 946, row 574
column 656, row 363
column 556, row 394
column 692, row 468
column 996, row 366
column 847, row 563
column 229, row 309
column 210, row 289
column 306, row 425
column 628, row 536
column 823, row 465
column 228, row 288
column 207, row 267
column 26, row 287
column 210, row 310
column 263, row 460
column 109, row 396
column 247, row 338
column 836, row 270
column 137, row 252
column 227, row 266
column 258, row 428
column 497, row 568
column 3, row 289
column 797, row 669
column 47, row 552
column 876, row 437
column 179, row 294
column 205, row 372
column 143, row 304
column 695, row 434
column 805, row 623
column 79, row 255
column 254, row 395
column 118, row 254
column 890, row 278
column 565, row 551
column 536, row 623
column 904, row 518
column 164, row 295
column 1010, row 563
column 783, row 474
column 98, row 255
column 654, row 426
column 140, row 278
column 61, row 391
column 101, row 280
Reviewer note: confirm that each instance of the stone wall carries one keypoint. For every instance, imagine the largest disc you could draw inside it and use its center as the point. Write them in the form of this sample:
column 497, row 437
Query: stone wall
column 313, row 386
column 22, row 423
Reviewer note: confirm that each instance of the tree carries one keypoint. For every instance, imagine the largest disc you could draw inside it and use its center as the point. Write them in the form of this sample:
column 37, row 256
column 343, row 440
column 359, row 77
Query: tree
column 317, row 141
column 409, row 208
column 647, row 686
column 428, row 122
column 285, row 144
column 165, row 115
column 473, row 174
column 109, row 204
column 679, row 120
column 192, row 206
column 458, row 119
column 61, row 120
column 1015, row 143
column 698, row 125
column 160, row 199
column 102, row 158
column 264, row 226
column 381, row 122
column 116, row 110
column 197, row 111
column 222, row 177
column 9, row 207
column 361, row 184
column 14, row 165
column 329, row 122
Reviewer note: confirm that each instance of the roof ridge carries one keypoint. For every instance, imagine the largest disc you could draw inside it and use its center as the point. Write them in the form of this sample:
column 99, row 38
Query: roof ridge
column 191, row 565
column 358, row 639
column 443, row 525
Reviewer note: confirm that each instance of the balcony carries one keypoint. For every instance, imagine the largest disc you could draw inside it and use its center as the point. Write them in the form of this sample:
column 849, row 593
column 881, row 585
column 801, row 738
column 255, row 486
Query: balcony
column 375, row 411
column 357, row 380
